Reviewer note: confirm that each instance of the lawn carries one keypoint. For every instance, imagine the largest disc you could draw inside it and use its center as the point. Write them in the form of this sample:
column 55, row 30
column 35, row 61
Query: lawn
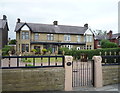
column 30, row 60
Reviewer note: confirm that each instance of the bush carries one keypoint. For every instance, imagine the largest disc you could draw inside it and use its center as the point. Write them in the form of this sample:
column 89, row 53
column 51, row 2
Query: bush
column 29, row 65
column 26, row 60
column 65, row 49
column 34, row 50
column 108, row 44
column 49, row 49
column 6, row 49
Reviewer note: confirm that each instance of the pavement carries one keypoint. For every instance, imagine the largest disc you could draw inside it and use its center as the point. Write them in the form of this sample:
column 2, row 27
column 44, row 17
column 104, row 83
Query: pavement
column 113, row 87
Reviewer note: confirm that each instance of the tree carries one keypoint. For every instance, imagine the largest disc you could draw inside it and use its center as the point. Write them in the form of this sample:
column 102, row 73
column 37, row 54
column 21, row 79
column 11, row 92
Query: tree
column 6, row 49
column 13, row 41
column 108, row 44
column 100, row 32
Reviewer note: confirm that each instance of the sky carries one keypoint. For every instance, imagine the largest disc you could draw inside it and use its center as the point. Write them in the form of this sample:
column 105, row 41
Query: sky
column 99, row 14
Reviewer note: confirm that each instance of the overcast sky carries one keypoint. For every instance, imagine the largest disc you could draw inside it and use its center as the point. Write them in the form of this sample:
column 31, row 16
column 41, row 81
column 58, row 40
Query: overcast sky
column 99, row 14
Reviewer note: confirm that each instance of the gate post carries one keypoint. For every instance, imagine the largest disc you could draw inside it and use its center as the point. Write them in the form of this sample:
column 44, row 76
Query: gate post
column 68, row 73
column 98, row 80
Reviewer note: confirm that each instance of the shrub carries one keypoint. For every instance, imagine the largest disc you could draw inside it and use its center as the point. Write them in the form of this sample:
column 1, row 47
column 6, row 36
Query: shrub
column 49, row 49
column 29, row 65
column 108, row 44
column 6, row 49
column 65, row 49
column 44, row 50
column 26, row 60
column 34, row 50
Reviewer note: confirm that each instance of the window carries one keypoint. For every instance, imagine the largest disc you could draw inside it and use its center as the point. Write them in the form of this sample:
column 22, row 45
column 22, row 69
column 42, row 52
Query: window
column 25, row 47
column 89, row 38
column 84, row 39
column 68, row 46
column 50, row 37
column 99, row 43
column 78, row 38
column 36, row 37
column 78, row 48
column 90, row 46
column 84, row 47
column 67, row 38
column 87, row 47
column 25, row 35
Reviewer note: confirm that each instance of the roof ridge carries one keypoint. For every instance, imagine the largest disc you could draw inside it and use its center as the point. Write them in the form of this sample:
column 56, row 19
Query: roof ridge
column 51, row 24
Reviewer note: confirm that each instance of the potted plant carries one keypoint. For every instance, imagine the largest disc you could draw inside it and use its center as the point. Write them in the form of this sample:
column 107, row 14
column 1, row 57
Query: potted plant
column 44, row 50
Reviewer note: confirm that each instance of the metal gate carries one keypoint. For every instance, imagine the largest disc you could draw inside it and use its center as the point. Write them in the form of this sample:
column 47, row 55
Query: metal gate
column 82, row 74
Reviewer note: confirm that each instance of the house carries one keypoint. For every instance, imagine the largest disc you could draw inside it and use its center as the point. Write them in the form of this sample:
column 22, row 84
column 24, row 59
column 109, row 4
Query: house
column 3, row 32
column 39, row 36
column 115, row 38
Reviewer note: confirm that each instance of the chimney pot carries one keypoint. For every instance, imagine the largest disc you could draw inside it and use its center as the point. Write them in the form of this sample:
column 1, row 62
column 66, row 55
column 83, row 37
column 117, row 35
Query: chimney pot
column 86, row 25
column 4, row 17
column 18, row 20
column 109, row 34
column 55, row 23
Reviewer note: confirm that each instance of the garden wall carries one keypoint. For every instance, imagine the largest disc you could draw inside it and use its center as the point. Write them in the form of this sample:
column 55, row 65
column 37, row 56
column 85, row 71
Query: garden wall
column 33, row 79
column 110, row 74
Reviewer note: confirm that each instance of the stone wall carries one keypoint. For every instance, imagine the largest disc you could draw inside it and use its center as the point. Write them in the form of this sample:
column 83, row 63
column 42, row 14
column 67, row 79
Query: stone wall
column 33, row 79
column 110, row 74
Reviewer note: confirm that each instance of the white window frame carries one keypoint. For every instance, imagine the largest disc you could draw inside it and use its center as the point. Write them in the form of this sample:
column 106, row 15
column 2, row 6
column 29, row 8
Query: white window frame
column 36, row 36
column 89, row 38
column 78, row 48
column 50, row 37
column 67, row 38
column 25, row 35
column 78, row 38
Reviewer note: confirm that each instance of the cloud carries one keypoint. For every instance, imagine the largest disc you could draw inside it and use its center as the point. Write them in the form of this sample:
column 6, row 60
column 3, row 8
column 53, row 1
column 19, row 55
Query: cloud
column 97, row 13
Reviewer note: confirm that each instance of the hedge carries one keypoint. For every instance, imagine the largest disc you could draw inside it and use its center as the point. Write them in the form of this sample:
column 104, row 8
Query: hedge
column 90, row 53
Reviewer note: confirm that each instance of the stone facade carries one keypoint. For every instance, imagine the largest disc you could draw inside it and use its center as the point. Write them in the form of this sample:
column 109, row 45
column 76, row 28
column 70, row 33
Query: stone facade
column 36, row 79
column 110, row 75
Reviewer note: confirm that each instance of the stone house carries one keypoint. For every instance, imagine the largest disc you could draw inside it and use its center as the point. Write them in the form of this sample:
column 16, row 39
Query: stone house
column 39, row 36
column 3, row 32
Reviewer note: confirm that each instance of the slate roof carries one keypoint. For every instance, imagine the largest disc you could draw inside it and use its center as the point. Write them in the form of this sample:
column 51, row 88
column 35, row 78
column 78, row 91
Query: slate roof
column 2, row 23
column 47, row 28
column 100, row 37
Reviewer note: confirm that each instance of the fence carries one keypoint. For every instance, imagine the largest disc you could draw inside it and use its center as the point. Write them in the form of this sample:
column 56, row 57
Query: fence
column 31, row 61
column 110, row 58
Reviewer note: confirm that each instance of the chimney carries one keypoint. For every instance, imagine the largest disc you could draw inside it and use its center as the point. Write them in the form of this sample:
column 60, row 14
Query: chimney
column 4, row 17
column 86, row 25
column 18, row 20
column 55, row 23
column 109, row 34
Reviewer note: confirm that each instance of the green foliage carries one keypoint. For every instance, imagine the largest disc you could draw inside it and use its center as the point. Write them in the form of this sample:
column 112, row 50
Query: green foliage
column 26, row 60
column 49, row 49
column 6, row 49
column 13, row 41
column 90, row 53
column 34, row 50
column 65, row 49
column 38, row 51
column 108, row 44
column 44, row 50
column 29, row 65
